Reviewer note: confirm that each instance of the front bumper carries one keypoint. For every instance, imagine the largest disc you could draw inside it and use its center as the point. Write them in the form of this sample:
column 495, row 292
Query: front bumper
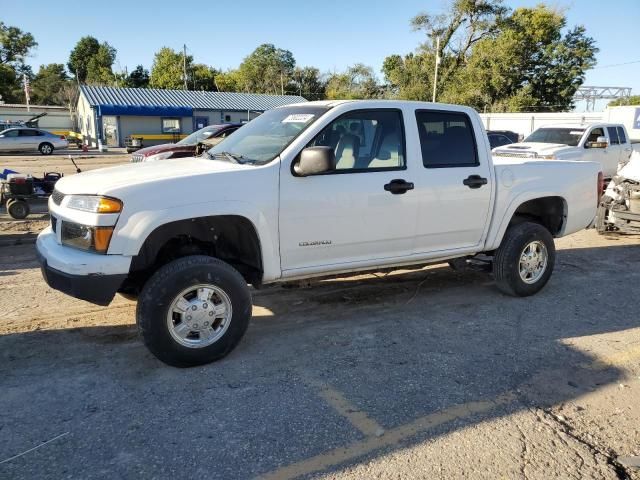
column 87, row 276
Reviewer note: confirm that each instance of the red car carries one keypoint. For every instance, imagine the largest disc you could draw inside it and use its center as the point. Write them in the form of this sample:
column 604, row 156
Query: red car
column 188, row 146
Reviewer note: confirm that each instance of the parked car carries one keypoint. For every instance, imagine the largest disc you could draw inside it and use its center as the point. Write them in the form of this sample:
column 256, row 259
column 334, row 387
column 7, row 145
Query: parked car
column 31, row 139
column 605, row 143
column 309, row 190
column 499, row 138
column 188, row 146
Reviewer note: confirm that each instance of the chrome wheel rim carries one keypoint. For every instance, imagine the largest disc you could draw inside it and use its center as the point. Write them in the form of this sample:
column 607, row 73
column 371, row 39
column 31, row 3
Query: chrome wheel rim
column 46, row 149
column 533, row 262
column 199, row 316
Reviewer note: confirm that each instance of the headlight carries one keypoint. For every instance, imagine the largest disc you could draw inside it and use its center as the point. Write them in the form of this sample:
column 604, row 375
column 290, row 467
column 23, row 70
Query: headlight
column 548, row 157
column 85, row 237
column 158, row 156
column 94, row 204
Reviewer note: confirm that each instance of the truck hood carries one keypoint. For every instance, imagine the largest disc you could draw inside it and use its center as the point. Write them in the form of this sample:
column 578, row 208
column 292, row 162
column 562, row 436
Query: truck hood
column 531, row 148
column 103, row 181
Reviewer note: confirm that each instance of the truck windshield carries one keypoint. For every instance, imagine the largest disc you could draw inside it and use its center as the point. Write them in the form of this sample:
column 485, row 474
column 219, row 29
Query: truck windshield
column 566, row 136
column 264, row 138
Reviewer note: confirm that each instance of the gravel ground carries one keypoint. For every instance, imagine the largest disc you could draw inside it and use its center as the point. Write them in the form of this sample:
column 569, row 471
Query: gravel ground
column 417, row 374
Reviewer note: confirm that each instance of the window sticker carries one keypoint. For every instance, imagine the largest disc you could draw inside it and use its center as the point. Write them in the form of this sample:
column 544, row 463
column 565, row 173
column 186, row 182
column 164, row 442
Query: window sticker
column 298, row 118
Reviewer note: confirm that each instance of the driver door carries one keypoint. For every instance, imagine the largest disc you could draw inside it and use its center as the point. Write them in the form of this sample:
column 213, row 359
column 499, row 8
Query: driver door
column 349, row 217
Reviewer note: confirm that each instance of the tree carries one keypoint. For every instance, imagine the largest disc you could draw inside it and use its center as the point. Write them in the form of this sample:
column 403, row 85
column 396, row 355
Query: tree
column 99, row 66
column 308, row 83
column 15, row 46
column 203, row 77
column 168, row 69
column 632, row 100
column 357, row 82
column 495, row 58
column 48, row 83
column 266, row 70
column 138, row 78
column 228, row 81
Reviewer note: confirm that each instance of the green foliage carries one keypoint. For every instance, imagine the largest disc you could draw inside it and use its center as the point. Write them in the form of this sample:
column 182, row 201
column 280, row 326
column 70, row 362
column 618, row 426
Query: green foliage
column 357, row 82
column 632, row 100
column 495, row 59
column 91, row 61
column 308, row 83
column 15, row 46
column 228, row 81
column 138, row 78
column 266, row 70
column 48, row 83
column 167, row 70
column 203, row 77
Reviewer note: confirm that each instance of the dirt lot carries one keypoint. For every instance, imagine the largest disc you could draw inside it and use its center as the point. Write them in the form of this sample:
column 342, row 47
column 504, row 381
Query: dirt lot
column 417, row 374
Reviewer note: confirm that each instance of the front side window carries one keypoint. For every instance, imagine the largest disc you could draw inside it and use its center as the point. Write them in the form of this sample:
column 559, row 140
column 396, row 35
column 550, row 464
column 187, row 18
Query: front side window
column 170, row 125
column 446, row 139
column 265, row 137
column 365, row 139
column 621, row 136
column 594, row 134
column 10, row 133
column 613, row 135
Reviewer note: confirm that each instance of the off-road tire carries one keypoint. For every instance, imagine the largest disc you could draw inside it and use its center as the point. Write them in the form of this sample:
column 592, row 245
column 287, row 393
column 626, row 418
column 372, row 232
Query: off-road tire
column 507, row 258
column 18, row 209
column 162, row 288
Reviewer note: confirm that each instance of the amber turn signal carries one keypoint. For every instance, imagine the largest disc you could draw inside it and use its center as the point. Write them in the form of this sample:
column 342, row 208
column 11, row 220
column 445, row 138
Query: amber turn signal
column 109, row 205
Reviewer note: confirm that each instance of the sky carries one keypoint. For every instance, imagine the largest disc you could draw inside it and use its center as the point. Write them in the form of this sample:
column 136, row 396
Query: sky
column 330, row 35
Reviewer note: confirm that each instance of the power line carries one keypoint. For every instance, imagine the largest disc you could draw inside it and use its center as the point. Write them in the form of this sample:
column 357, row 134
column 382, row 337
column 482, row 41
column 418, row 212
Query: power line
column 616, row 65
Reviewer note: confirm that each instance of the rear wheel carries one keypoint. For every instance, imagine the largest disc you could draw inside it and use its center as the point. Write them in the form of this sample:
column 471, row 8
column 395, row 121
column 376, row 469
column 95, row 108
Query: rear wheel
column 18, row 209
column 46, row 148
column 193, row 311
column 524, row 261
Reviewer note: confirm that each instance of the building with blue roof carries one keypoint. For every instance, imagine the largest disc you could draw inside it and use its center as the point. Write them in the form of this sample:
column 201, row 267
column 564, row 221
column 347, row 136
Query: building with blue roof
column 110, row 114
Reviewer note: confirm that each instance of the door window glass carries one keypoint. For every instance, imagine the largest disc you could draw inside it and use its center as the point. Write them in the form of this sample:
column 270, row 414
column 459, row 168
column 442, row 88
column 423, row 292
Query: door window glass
column 365, row 139
column 28, row 133
column 613, row 135
column 621, row 136
column 446, row 139
column 595, row 133
column 11, row 133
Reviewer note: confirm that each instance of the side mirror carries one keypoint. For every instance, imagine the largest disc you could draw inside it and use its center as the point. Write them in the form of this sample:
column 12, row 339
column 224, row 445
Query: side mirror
column 601, row 142
column 315, row 160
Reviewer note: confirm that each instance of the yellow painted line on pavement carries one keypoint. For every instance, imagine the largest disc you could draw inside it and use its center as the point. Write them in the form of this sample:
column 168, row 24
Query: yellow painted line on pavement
column 391, row 437
column 617, row 359
column 357, row 418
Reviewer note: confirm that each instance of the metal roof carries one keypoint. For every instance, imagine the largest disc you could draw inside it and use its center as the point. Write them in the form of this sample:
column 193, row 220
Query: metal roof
column 152, row 97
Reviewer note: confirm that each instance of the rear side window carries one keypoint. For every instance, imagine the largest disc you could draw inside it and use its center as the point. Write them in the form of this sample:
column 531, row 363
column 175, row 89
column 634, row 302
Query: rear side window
column 446, row 139
column 613, row 135
column 621, row 136
column 28, row 133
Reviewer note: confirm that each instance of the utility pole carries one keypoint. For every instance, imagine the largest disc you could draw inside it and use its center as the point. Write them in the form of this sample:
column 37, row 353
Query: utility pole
column 435, row 76
column 184, row 64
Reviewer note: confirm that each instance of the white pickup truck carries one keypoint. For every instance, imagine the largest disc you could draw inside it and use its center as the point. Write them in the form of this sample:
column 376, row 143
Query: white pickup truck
column 605, row 143
column 310, row 190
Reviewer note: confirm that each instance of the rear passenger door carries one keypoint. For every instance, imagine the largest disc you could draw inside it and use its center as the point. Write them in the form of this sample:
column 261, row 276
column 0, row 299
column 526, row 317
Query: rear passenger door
column 615, row 149
column 625, row 146
column 454, row 184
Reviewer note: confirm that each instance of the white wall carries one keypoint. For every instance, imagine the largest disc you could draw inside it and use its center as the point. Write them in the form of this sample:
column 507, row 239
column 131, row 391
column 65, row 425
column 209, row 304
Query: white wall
column 525, row 123
column 629, row 116
column 57, row 118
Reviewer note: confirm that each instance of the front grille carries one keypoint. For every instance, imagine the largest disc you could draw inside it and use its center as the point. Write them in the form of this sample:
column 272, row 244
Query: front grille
column 137, row 157
column 57, row 197
column 54, row 223
column 515, row 155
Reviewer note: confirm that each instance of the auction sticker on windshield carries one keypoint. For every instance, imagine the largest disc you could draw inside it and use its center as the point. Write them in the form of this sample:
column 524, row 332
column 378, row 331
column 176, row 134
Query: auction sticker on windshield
column 298, row 118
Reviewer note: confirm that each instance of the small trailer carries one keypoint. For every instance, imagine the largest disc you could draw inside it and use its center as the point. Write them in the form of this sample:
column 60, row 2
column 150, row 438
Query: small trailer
column 18, row 190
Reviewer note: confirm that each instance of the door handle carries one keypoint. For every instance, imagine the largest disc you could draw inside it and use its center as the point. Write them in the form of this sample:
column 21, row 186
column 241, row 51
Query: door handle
column 474, row 181
column 398, row 186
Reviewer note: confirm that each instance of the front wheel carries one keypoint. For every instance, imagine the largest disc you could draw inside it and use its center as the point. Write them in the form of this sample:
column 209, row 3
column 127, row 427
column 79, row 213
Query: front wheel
column 193, row 311
column 18, row 209
column 524, row 261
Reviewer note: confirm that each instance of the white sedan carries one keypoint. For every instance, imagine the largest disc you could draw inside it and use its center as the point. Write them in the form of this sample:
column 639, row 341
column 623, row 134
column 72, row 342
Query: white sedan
column 31, row 139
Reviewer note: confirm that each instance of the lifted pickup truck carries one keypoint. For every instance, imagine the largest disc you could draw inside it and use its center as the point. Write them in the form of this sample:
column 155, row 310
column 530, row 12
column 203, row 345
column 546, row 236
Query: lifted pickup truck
column 605, row 143
column 309, row 190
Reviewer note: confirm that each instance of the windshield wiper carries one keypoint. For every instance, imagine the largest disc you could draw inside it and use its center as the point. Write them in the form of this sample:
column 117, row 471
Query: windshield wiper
column 232, row 157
